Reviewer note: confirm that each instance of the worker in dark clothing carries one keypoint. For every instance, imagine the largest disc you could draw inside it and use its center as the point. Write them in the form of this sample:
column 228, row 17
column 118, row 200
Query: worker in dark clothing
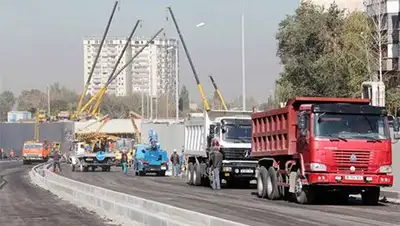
column 124, row 162
column 216, row 158
column 175, row 163
column 56, row 161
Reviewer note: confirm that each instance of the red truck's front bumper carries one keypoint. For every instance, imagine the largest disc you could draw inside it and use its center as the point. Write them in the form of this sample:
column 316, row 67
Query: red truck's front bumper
column 342, row 179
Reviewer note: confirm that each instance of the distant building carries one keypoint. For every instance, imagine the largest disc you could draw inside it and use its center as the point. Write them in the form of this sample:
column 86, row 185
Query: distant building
column 152, row 72
column 350, row 5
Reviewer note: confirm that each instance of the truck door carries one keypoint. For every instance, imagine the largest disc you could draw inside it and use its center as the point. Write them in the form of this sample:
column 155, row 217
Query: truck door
column 303, row 141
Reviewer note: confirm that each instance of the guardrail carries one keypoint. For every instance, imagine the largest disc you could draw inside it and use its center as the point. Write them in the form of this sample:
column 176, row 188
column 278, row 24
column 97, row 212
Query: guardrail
column 116, row 205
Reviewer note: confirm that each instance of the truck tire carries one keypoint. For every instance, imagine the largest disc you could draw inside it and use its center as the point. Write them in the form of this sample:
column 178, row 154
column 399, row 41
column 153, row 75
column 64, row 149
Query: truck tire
column 81, row 168
column 272, row 186
column 283, row 191
column 161, row 173
column 142, row 173
column 196, row 175
column 262, row 182
column 73, row 168
column 371, row 196
column 189, row 174
column 303, row 194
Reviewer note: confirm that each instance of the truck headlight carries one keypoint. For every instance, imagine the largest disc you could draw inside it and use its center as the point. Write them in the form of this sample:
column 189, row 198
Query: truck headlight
column 317, row 167
column 227, row 169
column 385, row 169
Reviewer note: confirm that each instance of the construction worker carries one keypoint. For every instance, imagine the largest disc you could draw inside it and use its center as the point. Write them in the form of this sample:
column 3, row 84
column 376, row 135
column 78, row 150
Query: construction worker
column 124, row 162
column 175, row 163
column 216, row 158
column 56, row 161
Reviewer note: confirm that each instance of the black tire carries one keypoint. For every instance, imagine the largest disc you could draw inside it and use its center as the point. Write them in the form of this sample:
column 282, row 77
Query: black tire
column 161, row 173
column 73, row 168
column 189, row 173
column 305, row 194
column 142, row 173
column 196, row 175
column 371, row 196
column 262, row 182
column 109, row 169
column 23, row 162
column 283, row 191
column 272, row 189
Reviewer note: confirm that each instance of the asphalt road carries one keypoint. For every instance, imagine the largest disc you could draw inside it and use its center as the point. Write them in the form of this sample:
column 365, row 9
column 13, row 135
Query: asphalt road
column 23, row 204
column 241, row 205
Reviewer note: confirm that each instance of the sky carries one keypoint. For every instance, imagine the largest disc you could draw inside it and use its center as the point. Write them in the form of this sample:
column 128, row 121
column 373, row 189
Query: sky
column 41, row 40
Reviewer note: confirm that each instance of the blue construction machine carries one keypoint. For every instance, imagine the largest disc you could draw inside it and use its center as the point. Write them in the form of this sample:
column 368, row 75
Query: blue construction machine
column 149, row 158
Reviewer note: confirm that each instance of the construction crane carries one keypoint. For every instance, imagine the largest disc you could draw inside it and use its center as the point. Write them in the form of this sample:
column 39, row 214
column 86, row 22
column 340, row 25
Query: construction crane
column 218, row 93
column 104, row 88
column 37, row 127
column 138, row 135
column 96, row 59
column 203, row 96
column 93, row 110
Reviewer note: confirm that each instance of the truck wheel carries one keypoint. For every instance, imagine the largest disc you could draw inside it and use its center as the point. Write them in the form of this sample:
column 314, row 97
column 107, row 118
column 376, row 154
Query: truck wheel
column 272, row 187
column 81, row 168
column 196, row 175
column 189, row 174
column 73, row 168
column 283, row 191
column 142, row 173
column 303, row 194
column 262, row 182
column 162, row 173
column 371, row 196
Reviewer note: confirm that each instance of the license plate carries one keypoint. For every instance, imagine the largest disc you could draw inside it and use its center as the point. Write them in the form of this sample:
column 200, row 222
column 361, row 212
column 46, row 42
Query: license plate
column 353, row 177
column 246, row 171
column 89, row 159
column 163, row 167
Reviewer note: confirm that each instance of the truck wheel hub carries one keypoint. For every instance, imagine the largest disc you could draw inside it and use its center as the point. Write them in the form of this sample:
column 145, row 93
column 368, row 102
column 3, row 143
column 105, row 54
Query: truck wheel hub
column 260, row 186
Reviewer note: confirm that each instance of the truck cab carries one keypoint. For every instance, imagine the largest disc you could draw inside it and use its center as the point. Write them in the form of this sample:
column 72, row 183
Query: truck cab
column 232, row 130
column 150, row 160
column 33, row 151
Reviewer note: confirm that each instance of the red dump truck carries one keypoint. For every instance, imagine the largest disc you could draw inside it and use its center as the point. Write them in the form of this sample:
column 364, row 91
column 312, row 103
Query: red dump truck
column 316, row 147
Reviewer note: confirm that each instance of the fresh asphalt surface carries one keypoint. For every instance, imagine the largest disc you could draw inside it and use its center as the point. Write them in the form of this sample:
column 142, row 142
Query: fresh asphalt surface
column 241, row 205
column 23, row 204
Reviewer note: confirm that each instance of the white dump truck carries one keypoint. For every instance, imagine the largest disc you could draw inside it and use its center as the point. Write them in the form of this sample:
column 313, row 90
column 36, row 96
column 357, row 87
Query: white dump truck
column 232, row 129
column 84, row 159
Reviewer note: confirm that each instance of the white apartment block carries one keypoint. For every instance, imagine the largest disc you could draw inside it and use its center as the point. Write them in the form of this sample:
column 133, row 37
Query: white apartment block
column 152, row 71
column 350, row 5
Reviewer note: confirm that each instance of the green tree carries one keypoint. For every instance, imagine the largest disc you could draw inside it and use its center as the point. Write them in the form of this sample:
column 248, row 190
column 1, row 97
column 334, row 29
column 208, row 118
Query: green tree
column 322, row 52
column 7, row 100
column 184, row 100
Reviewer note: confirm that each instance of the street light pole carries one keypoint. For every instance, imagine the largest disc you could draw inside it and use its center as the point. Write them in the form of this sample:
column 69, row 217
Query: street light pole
column 243, row 65
column 48, row 100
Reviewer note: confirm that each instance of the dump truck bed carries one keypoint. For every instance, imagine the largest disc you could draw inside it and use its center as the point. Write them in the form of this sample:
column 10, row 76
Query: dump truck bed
column 274, row 131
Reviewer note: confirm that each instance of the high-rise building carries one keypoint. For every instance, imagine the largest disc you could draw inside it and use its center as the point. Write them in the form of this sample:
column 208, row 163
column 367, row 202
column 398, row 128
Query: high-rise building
column 122, row 85
column 153, row 71
column 350, row 5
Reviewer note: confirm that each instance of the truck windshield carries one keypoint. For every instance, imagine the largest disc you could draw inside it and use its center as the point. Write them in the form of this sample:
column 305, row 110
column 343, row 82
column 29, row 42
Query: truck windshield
column 237, row 130
column 350, row 126
column 32, row 146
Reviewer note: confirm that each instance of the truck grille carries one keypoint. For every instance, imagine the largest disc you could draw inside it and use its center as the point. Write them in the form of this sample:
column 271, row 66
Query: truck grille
column 236, row 154
column 344, row 159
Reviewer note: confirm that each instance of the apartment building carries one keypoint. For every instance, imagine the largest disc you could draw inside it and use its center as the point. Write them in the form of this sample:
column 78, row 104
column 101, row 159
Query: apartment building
column 350, row 5
column 153, row 71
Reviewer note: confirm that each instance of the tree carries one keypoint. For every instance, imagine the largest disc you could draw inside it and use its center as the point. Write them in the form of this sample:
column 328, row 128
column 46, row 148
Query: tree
column 184, row 100
column 321, row 52
column 7, row 100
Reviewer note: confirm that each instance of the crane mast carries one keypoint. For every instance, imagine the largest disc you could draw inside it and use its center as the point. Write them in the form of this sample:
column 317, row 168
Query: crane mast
column 218, row 93
column 97, row 58
column 203, row 96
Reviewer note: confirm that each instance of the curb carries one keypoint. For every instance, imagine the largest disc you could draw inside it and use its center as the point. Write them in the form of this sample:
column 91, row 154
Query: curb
column 122, row 207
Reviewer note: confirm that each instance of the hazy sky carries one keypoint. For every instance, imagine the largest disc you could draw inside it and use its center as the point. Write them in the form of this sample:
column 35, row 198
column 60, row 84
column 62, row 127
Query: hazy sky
column 41, row 40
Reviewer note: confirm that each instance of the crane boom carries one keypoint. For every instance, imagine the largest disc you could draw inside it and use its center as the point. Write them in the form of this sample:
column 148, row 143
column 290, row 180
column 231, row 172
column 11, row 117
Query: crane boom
column 104, row 88
column 96, row 59
column 97, row 105
column 203, row 96
column 218, row 93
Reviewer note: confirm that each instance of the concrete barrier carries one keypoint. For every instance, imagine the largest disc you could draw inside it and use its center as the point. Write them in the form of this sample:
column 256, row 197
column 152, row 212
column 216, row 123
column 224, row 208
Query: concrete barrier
column 128, row 209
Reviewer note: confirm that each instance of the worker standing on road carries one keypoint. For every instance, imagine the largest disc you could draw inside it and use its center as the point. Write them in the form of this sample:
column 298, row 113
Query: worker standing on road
column 216, row 158
column 56, row 161
column 175, row 163
column 124, row 162
column 181, row 162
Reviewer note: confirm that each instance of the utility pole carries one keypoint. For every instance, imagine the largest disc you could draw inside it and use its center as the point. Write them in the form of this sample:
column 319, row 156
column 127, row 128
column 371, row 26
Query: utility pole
column 243, row 65
column 176, row 84
column 48, row 100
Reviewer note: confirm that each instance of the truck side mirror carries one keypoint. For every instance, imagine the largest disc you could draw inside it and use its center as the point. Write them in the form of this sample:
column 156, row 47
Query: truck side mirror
column 395, row 126
column 223, row 129
column 212, row 129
